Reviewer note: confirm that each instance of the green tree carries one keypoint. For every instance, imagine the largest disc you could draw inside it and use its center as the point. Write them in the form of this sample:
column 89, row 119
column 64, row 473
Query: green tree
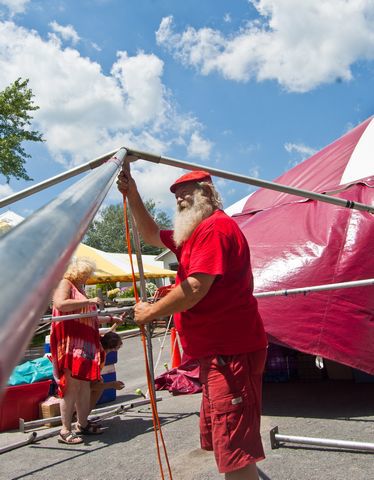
column 16, row 103
column 107, row 232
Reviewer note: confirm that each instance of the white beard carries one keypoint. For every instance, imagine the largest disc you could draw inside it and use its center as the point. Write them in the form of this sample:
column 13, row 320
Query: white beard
column 188, row 218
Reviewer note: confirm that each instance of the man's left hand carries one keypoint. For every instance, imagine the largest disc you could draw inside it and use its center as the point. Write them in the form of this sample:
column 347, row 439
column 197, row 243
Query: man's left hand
column 143, row 313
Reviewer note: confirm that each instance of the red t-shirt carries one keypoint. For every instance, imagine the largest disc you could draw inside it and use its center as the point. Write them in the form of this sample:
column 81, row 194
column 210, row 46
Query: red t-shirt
column 226, row 321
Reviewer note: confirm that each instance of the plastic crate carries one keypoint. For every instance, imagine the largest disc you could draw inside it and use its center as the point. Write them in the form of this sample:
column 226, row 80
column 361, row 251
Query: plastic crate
column 108, row 374
column 22, row 401
column 280, row 364
column 109, row 394
column 47, row 344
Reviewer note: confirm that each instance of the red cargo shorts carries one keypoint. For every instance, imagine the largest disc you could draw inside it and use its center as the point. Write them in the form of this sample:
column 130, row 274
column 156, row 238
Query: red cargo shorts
column 231, row 408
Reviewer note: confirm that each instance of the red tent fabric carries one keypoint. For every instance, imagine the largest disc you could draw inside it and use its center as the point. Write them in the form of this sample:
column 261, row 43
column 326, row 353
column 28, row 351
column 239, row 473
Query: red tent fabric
column 296, row 242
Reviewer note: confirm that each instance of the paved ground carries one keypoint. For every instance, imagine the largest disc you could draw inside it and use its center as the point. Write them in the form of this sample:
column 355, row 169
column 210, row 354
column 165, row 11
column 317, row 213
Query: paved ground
column 126, row 450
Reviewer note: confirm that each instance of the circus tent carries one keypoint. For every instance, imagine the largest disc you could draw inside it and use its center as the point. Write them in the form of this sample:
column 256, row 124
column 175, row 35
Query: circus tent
column 296, row 242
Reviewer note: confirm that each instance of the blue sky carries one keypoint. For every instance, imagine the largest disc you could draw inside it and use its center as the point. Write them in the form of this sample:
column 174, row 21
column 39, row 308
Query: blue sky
column 253, row 87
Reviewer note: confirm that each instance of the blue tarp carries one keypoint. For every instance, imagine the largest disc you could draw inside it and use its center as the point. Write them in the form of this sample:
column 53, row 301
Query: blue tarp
column 32, row 371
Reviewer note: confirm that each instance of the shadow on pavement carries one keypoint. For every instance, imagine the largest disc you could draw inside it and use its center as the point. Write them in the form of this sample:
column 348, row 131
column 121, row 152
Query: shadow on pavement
column 327, row 399
column 79, row 453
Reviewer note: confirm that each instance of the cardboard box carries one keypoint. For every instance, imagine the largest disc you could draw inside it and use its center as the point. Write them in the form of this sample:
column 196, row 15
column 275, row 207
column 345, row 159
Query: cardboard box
column 50, row 408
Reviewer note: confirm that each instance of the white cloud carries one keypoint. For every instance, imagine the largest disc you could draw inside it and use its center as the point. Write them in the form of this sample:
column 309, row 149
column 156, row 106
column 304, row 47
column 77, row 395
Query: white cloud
column 199, row 147
column 5, row 190
column 302, row 152
column 85, row 113
column 15, row 6
column 254, row 171
column 140, row 79
column 67, row 33
column 301, row 45
column 227, row 18
column 300, row 148
column 95, row 46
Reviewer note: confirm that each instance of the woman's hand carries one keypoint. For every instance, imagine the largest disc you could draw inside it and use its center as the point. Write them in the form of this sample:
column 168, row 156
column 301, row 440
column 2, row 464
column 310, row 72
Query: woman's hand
column 116, row 319
column 97, row 301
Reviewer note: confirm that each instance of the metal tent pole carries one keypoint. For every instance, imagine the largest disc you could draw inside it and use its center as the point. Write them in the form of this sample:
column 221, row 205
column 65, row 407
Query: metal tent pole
column 143, row 294
column 107, row 411
column 318, row 288
column 30, row 439
column 102, row 313
column 57, row 179
column 276, row 437
column 253, row 181
column 36, row 253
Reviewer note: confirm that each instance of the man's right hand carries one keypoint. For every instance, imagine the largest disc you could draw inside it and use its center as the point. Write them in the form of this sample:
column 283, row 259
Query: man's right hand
column 125, row 182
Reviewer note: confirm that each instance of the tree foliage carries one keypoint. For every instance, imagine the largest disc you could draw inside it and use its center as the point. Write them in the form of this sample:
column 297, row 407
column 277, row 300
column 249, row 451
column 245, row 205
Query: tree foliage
column 16, row 103
column 107, row 233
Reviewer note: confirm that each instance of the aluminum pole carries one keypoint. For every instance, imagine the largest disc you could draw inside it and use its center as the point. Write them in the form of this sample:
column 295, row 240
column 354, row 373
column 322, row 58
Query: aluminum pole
column 318, row 288
column 57, row 179
column 253, row 181
column 21, row 443
column 274, row 293
column 112, row 409
column 275, row 438
column 98, row 313
column 143, row 294
column 34, row 255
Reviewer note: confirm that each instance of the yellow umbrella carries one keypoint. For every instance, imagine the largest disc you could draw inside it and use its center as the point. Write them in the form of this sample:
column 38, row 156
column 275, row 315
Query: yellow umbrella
column 115, row 267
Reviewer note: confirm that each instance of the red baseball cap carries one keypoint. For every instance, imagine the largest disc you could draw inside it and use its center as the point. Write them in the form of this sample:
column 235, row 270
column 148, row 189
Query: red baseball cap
column 195, row 176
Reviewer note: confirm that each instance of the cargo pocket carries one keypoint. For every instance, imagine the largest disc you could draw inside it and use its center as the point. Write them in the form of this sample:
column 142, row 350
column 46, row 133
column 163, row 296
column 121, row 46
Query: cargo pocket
column 228, row 415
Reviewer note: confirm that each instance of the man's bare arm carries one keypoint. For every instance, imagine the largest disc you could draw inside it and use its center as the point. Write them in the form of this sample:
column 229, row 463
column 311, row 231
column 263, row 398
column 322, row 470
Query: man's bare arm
column 147, row 227
column 181, row 298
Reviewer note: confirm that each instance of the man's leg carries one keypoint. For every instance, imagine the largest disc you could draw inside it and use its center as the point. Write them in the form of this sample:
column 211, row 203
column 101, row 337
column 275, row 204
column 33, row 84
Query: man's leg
column 257, row 365
column 206, row 441
column 247, row 473
column 233, row 384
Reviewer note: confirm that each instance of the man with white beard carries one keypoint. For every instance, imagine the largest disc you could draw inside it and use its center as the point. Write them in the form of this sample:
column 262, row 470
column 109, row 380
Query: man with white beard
column 215, row 314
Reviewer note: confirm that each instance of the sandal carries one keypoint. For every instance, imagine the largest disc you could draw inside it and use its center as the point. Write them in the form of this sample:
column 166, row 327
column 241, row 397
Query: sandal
column 69, row 438
column 90, row 429
column 96, row 420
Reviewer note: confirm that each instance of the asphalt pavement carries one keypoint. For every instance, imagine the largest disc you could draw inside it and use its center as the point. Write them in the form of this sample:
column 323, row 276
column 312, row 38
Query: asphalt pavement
column 126, row 450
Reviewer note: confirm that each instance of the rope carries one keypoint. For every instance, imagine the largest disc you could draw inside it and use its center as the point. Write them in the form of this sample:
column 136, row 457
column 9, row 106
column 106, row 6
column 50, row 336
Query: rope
column 163, row 342
column 155, row 418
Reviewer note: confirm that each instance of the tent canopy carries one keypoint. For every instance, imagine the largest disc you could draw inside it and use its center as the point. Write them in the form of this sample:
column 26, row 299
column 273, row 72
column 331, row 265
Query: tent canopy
column 296, row 242
column 115, row 267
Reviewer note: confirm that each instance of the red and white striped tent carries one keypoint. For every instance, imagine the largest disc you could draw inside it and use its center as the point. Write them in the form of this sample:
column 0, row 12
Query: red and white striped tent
column 296, row 242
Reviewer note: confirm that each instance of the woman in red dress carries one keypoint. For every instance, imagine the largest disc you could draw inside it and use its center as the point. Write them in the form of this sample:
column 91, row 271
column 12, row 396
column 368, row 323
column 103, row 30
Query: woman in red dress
column 76, row 350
